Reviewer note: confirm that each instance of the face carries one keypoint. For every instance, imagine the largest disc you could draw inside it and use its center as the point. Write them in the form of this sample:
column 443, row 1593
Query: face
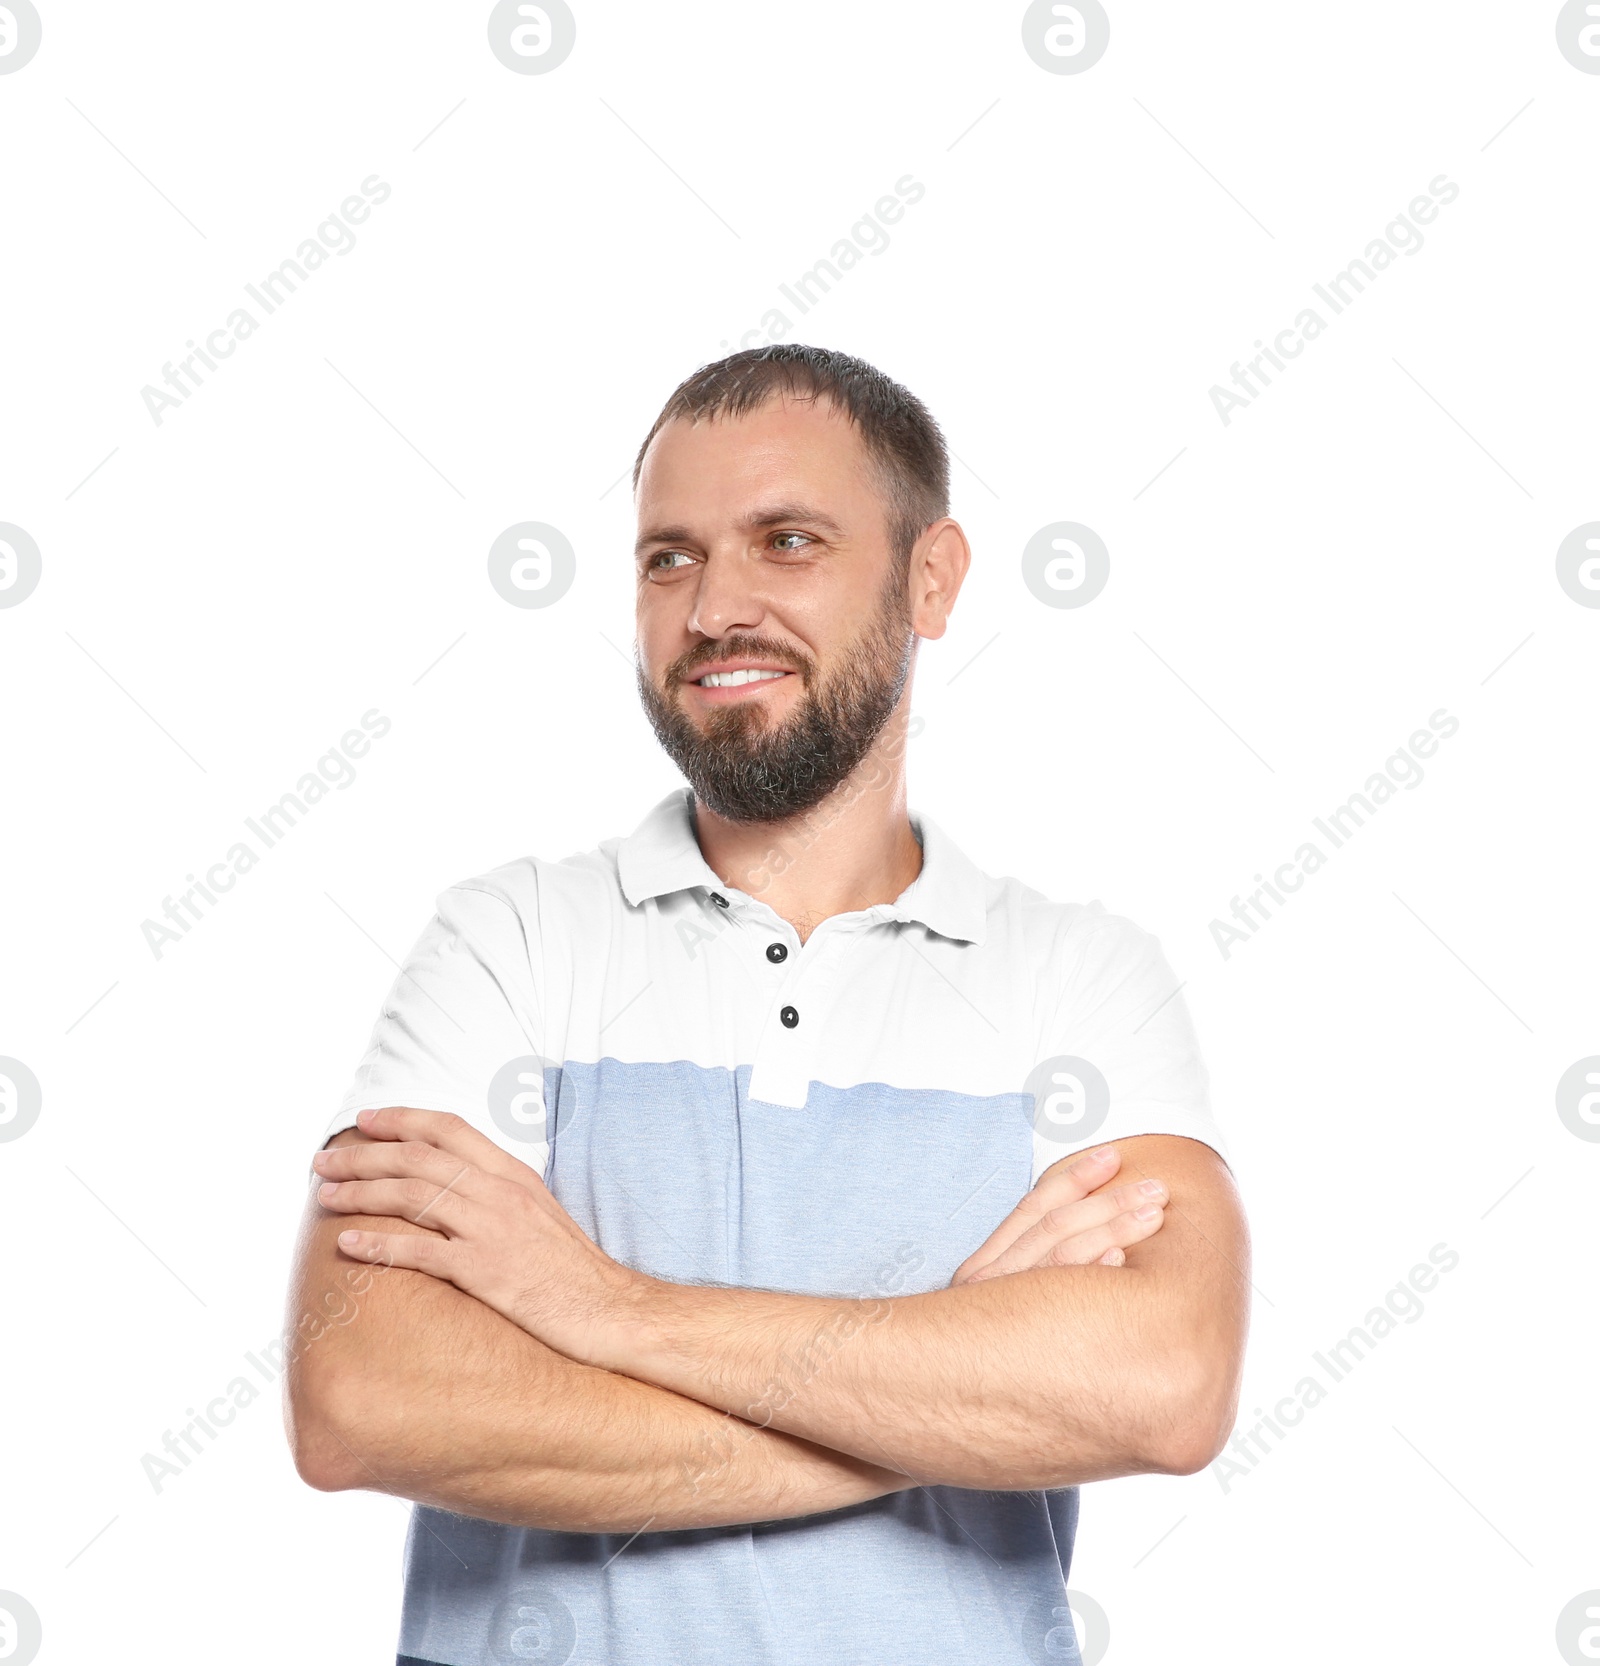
column 775, row 629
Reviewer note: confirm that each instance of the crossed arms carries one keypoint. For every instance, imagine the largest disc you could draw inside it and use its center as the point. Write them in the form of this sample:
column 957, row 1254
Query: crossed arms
column 472, row 1349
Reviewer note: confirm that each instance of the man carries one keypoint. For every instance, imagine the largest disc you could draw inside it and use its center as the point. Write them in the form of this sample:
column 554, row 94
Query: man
column 669, row 1253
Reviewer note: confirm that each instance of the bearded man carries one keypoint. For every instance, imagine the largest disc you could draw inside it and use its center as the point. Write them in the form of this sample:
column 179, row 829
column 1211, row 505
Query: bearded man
column 740, row 1241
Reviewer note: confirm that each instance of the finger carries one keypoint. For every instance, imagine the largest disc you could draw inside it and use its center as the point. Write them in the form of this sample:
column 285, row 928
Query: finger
column 448, row 1132
column 1078, row 1175
column 1063, row 1182
column 1095, row 1210
column 394, row 1160
column 1032, row 1247
column 417, row 1201
column 1120, row 1233
column 434, row 1256
column 1120, row 1230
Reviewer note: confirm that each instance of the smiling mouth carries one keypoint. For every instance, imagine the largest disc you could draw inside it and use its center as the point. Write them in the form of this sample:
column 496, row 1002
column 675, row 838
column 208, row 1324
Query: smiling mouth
column 737, row 679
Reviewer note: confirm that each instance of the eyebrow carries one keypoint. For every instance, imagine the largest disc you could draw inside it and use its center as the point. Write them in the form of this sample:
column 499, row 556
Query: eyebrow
column 775, row 514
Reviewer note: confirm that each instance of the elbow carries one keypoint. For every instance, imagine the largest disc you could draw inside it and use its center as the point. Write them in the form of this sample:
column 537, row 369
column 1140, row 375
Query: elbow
column 1189, row 1447
column 321, row 1457
column 1195, row 1418
column 321, row 1467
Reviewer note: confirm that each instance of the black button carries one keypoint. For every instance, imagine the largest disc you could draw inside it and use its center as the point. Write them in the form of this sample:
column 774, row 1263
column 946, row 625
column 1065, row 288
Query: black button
column 776, row 952
column 720, row 900
column 790, row 1018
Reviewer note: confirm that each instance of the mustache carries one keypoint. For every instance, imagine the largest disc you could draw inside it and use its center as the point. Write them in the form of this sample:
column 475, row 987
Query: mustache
column 711, row 654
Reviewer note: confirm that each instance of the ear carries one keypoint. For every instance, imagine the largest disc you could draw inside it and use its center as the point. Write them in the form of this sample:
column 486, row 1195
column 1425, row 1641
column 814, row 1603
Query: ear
column 939, row 562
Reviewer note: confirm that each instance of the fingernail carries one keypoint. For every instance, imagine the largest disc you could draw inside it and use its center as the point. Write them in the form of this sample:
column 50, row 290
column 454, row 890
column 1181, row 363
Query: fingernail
column 320, row 1161
column 349, row 1238
column 364, row 1117
column 327, row 1188
column 1152, row 1188
column 1149, row 1213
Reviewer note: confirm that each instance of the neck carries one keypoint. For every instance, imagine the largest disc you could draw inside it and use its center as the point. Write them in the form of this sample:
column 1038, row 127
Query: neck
column 849, row 852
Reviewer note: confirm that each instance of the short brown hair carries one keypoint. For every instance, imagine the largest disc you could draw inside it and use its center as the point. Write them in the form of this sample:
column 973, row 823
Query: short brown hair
column 897, row 429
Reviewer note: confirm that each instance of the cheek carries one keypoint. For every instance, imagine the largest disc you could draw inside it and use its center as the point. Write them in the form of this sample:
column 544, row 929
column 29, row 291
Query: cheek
column 659, row 636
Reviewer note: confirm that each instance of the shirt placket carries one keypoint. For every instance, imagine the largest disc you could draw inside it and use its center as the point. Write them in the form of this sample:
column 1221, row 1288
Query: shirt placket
column 793, row 1031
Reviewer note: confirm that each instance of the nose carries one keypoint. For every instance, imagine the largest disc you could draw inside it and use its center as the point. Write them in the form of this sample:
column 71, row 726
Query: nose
column 727, row 596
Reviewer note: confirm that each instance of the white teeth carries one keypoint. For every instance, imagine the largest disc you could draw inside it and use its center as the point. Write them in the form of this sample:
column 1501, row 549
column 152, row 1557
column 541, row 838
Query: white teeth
column 736, row 679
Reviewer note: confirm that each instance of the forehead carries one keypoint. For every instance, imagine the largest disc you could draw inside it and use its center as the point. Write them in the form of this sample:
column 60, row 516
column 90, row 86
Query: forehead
column 806, row 447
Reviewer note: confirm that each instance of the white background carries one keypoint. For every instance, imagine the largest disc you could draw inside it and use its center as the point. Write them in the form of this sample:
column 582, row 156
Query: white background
column 228, row 591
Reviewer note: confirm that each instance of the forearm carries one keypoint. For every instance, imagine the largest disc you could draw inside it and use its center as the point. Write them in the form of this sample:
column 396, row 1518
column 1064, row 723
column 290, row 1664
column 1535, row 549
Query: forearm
column 1042, row 1378
column 1036, row 1380
column 399, row 1383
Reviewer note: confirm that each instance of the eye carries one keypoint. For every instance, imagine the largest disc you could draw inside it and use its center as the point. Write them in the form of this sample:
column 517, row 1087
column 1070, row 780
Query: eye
column 674, row 556
column 777, row 536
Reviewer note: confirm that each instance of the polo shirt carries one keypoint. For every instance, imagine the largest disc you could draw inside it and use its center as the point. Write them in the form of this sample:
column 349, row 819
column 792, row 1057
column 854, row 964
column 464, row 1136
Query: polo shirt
column 713, row 1101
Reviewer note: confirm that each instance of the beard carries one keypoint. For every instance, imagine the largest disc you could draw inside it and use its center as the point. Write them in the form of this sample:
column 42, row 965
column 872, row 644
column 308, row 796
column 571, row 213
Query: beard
column 746, row 770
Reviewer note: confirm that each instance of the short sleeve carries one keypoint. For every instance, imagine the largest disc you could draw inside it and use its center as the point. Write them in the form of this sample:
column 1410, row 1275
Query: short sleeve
column 463, row 1011
column 1121, row 1056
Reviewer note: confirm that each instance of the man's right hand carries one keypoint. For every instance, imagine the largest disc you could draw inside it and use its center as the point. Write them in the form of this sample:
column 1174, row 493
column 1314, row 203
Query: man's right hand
column 1076, row 1215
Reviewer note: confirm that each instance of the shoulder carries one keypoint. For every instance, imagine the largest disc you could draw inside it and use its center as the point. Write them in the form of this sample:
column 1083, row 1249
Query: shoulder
column 1078, row 955
column 534, row 890
column 1078, row 933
